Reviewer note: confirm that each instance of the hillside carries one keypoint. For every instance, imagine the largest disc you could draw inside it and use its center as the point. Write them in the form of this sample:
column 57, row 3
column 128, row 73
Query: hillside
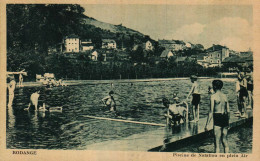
column 110, row 27
column 124, row 37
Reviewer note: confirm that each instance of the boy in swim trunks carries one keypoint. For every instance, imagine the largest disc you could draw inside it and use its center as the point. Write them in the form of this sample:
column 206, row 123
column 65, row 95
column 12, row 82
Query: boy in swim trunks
column 219, row 108
column 195, row 91
column 109, row 101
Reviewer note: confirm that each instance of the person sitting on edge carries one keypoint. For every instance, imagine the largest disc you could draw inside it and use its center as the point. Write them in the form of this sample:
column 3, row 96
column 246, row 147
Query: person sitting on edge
column 34, row 100
column 195, row 91
column 175, row 112
column 219, row 108
column 109, row 101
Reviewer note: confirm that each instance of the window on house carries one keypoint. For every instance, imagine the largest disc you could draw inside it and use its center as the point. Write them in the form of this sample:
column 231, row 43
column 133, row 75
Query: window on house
column 218, row 61
column 211, row 61
column 218, row 55
column 210, row 55
column 75, row 48
column 69, row 49
column 72, row 50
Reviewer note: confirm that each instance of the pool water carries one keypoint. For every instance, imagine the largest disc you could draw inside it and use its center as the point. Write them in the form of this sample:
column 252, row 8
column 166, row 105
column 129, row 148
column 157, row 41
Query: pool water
column 69, row 129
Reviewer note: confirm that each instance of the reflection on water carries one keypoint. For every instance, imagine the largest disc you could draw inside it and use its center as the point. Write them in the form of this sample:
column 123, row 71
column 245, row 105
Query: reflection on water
column 70, row 130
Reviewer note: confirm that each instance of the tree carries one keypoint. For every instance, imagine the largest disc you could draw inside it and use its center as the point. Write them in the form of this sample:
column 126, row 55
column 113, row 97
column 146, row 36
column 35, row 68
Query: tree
column 137, row 55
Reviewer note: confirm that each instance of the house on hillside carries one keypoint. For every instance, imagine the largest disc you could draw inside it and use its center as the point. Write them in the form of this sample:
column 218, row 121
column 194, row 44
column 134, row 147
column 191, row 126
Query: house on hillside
column 148, row 45
column 214, row 56
column 108, row 44
column 94, row 56
column 72, row 43
column 189, row 45
column 166, row 54
column 174, row 45
column 202, row 59
column 243, row 61
column 87, row 45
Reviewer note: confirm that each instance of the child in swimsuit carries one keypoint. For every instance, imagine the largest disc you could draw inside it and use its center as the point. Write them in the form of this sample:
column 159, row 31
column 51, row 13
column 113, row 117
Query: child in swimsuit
column 109, row 101
column 221, row 114
column 175, row 112
column 34, row 100
column 195, row 91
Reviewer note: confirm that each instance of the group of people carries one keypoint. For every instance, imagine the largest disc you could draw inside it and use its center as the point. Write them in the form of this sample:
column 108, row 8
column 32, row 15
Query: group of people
column 219, row 107
column 49, row 83
column 176, row 110
column 244, row 90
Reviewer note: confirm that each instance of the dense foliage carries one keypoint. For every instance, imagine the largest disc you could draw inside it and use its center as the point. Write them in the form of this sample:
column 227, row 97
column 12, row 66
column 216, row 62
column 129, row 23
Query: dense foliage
column 32, row 30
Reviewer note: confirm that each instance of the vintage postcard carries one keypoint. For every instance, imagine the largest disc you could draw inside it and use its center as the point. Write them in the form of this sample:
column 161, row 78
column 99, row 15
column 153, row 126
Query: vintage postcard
column 129, row 80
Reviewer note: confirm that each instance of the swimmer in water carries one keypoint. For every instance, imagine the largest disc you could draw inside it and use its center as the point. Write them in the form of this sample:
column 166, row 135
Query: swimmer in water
column 175, row 112
column 109, row 101
column 219, row 108
column 34, row 100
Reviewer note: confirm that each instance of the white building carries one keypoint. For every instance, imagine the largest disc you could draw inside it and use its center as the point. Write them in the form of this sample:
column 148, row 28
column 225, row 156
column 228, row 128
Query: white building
column 166, row 54
column 148, row 45
column 87, row 45
column 94, row 56
column 72, row 43
column 108, row 44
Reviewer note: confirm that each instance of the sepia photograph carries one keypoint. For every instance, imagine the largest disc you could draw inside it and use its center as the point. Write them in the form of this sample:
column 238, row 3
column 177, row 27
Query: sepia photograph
column 129, row 77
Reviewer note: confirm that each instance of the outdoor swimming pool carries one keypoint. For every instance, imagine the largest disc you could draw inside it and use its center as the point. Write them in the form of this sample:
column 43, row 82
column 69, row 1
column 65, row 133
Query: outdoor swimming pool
column 69, row 129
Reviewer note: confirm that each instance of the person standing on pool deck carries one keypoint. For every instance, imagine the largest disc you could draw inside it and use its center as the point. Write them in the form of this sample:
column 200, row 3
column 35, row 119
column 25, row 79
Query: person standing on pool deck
column 242, row 95
column 250, row 87
column 219, row 108
column 11, row 88
column 109, row 101
column 20, row 80
column 195, row 91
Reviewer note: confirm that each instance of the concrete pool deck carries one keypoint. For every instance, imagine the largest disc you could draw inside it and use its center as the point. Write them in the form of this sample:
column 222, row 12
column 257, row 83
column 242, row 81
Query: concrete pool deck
column 183, row 135
column 94, row 82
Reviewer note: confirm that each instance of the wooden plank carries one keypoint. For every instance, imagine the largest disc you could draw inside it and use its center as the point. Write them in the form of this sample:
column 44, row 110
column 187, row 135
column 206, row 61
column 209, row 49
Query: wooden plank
column 24, row 73
column 126, row 121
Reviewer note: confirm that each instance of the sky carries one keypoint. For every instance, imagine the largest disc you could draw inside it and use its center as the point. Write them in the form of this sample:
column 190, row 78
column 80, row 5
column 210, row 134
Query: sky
column 199, row 24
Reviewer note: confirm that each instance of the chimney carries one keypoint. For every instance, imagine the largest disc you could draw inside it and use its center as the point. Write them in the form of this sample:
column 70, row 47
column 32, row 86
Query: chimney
column 213, row 47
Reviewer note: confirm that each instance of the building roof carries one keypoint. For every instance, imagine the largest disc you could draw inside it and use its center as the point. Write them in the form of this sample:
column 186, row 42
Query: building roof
column 108, row 41
column 215, row 52
column 215, row 48
column 165, row 53
column 87, row 44
column 71, row 36
column 235, row 59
